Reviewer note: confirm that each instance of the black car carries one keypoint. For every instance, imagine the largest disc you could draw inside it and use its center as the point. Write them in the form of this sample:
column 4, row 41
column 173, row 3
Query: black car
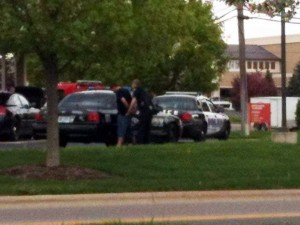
column 91, row 116
column 185, row 107
column 35, row 95
column 16, row 116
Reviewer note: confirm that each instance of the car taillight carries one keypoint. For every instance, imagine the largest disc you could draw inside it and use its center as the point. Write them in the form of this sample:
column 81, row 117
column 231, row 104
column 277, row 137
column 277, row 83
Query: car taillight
column 93, row 117
column 38, row 117
column 3, row 111
column 186, row 117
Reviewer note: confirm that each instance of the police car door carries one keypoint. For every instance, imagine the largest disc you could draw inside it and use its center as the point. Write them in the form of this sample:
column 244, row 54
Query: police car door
column 220, row 119
column 210, row 116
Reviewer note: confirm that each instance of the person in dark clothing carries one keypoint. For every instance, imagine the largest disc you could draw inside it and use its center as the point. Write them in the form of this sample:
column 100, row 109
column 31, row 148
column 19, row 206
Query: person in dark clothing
column 141, row 109
column 124, row 121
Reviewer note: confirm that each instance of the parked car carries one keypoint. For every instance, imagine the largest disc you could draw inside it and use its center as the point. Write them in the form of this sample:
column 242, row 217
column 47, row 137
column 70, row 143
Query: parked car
column 91, row 116
column 217, row 123
column 16, row 116
column 227, row 105
column 35, row 95
column 185, row 107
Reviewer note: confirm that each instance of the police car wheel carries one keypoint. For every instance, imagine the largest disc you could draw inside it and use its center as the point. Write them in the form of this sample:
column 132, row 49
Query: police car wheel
column 200, row 136
column 172, row 133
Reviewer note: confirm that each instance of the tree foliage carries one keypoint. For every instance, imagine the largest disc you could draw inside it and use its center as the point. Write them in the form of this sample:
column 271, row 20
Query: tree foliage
column 173, row 41
column 273, row 8
column 257, row 85
column 293, row 88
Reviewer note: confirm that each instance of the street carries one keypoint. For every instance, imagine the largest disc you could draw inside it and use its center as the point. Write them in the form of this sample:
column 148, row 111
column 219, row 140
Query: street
column 221, row 207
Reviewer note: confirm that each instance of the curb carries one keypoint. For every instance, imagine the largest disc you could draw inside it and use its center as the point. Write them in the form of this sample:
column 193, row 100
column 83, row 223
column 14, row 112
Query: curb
column 28, row 144
column 151, row 196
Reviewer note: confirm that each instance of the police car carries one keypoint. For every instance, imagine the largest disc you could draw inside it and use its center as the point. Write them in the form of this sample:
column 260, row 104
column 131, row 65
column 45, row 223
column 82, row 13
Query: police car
column 217, row 123
column 184, row 107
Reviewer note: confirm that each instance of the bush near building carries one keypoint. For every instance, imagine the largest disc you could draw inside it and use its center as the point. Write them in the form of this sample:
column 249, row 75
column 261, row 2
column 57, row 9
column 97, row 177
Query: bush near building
column 257, row 85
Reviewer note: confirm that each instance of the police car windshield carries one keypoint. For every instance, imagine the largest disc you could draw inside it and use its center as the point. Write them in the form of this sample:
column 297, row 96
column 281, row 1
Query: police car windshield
column 89, row 101
column 176, row 102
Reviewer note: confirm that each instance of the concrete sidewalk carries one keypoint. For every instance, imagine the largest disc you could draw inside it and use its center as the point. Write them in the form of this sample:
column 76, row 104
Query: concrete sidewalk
column 5, row 201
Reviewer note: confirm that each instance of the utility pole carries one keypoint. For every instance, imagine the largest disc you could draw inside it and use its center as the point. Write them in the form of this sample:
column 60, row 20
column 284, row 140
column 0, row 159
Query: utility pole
column 243, row 86
column 283, row 70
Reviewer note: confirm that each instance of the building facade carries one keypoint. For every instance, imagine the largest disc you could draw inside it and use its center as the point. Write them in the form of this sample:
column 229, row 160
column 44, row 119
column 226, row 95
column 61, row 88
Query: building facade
column 262, row 54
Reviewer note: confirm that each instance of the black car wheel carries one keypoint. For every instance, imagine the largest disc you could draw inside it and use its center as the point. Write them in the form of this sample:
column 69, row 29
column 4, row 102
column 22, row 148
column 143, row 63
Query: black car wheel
column 36, row 136
column 110, row 141
column 111, row 137
column 225, row 133
column 201, row 136
column 15, row 131
column 63, row 141
column 172, row 133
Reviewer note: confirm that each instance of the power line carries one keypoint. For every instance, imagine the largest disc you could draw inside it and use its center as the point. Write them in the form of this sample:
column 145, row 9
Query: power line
column 220, row 17
column 230, row 18
column 247, row 9
column 271, row 20
column 259, row 18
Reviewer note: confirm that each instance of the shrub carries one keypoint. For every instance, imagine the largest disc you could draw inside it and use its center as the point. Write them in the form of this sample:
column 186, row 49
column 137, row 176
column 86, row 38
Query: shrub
column 294, row 83
column 257, row 85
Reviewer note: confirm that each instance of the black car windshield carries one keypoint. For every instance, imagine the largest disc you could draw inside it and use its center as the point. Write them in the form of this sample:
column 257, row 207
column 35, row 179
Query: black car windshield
column 89, row 101
column 176, row 102
column 3, row 98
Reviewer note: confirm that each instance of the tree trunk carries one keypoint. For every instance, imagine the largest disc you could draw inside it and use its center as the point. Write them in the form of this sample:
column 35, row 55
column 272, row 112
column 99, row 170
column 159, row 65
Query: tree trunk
column 20, row 70
column 51, row 68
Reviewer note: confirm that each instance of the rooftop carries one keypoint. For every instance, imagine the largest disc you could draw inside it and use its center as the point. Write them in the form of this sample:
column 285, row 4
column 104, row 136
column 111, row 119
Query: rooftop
column 253, row 52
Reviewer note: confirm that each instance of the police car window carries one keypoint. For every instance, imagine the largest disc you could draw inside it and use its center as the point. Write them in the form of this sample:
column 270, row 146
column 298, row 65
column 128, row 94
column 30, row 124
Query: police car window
column 176, row 103
column 205, row 107
column 90, row 101
column 212, row 106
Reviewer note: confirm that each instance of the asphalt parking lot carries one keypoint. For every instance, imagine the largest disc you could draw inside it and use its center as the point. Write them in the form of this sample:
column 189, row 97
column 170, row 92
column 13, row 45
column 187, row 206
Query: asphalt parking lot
column 26, row 144
column 41, row 144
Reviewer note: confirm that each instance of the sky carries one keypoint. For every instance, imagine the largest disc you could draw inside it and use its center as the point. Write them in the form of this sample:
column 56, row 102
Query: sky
column 254, row 28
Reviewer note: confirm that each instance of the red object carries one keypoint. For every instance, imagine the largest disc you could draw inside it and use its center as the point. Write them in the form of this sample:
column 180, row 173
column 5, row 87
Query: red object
column 80, row 85
column 93, row 117
column 186, row 117
column 259, row 113
column 2, row 111
column 67, row 88
column 38, row 117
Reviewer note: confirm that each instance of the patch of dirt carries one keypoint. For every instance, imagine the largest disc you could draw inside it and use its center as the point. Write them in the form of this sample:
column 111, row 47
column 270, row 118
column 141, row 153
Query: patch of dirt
column 41, row 172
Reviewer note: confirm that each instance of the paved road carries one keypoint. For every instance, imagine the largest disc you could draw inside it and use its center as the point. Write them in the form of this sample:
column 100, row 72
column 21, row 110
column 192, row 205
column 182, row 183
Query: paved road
column 222, row 207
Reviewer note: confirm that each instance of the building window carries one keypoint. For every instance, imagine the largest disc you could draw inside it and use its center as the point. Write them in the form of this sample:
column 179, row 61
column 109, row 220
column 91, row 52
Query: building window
column 255, row 65
column 261, row 65
column 234, row 65
column 249, row 65
column 273, row 65
column 267, row 65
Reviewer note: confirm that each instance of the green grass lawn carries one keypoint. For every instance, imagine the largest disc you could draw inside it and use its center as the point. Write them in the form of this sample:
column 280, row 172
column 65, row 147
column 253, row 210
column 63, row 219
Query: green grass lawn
column 240, row 163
